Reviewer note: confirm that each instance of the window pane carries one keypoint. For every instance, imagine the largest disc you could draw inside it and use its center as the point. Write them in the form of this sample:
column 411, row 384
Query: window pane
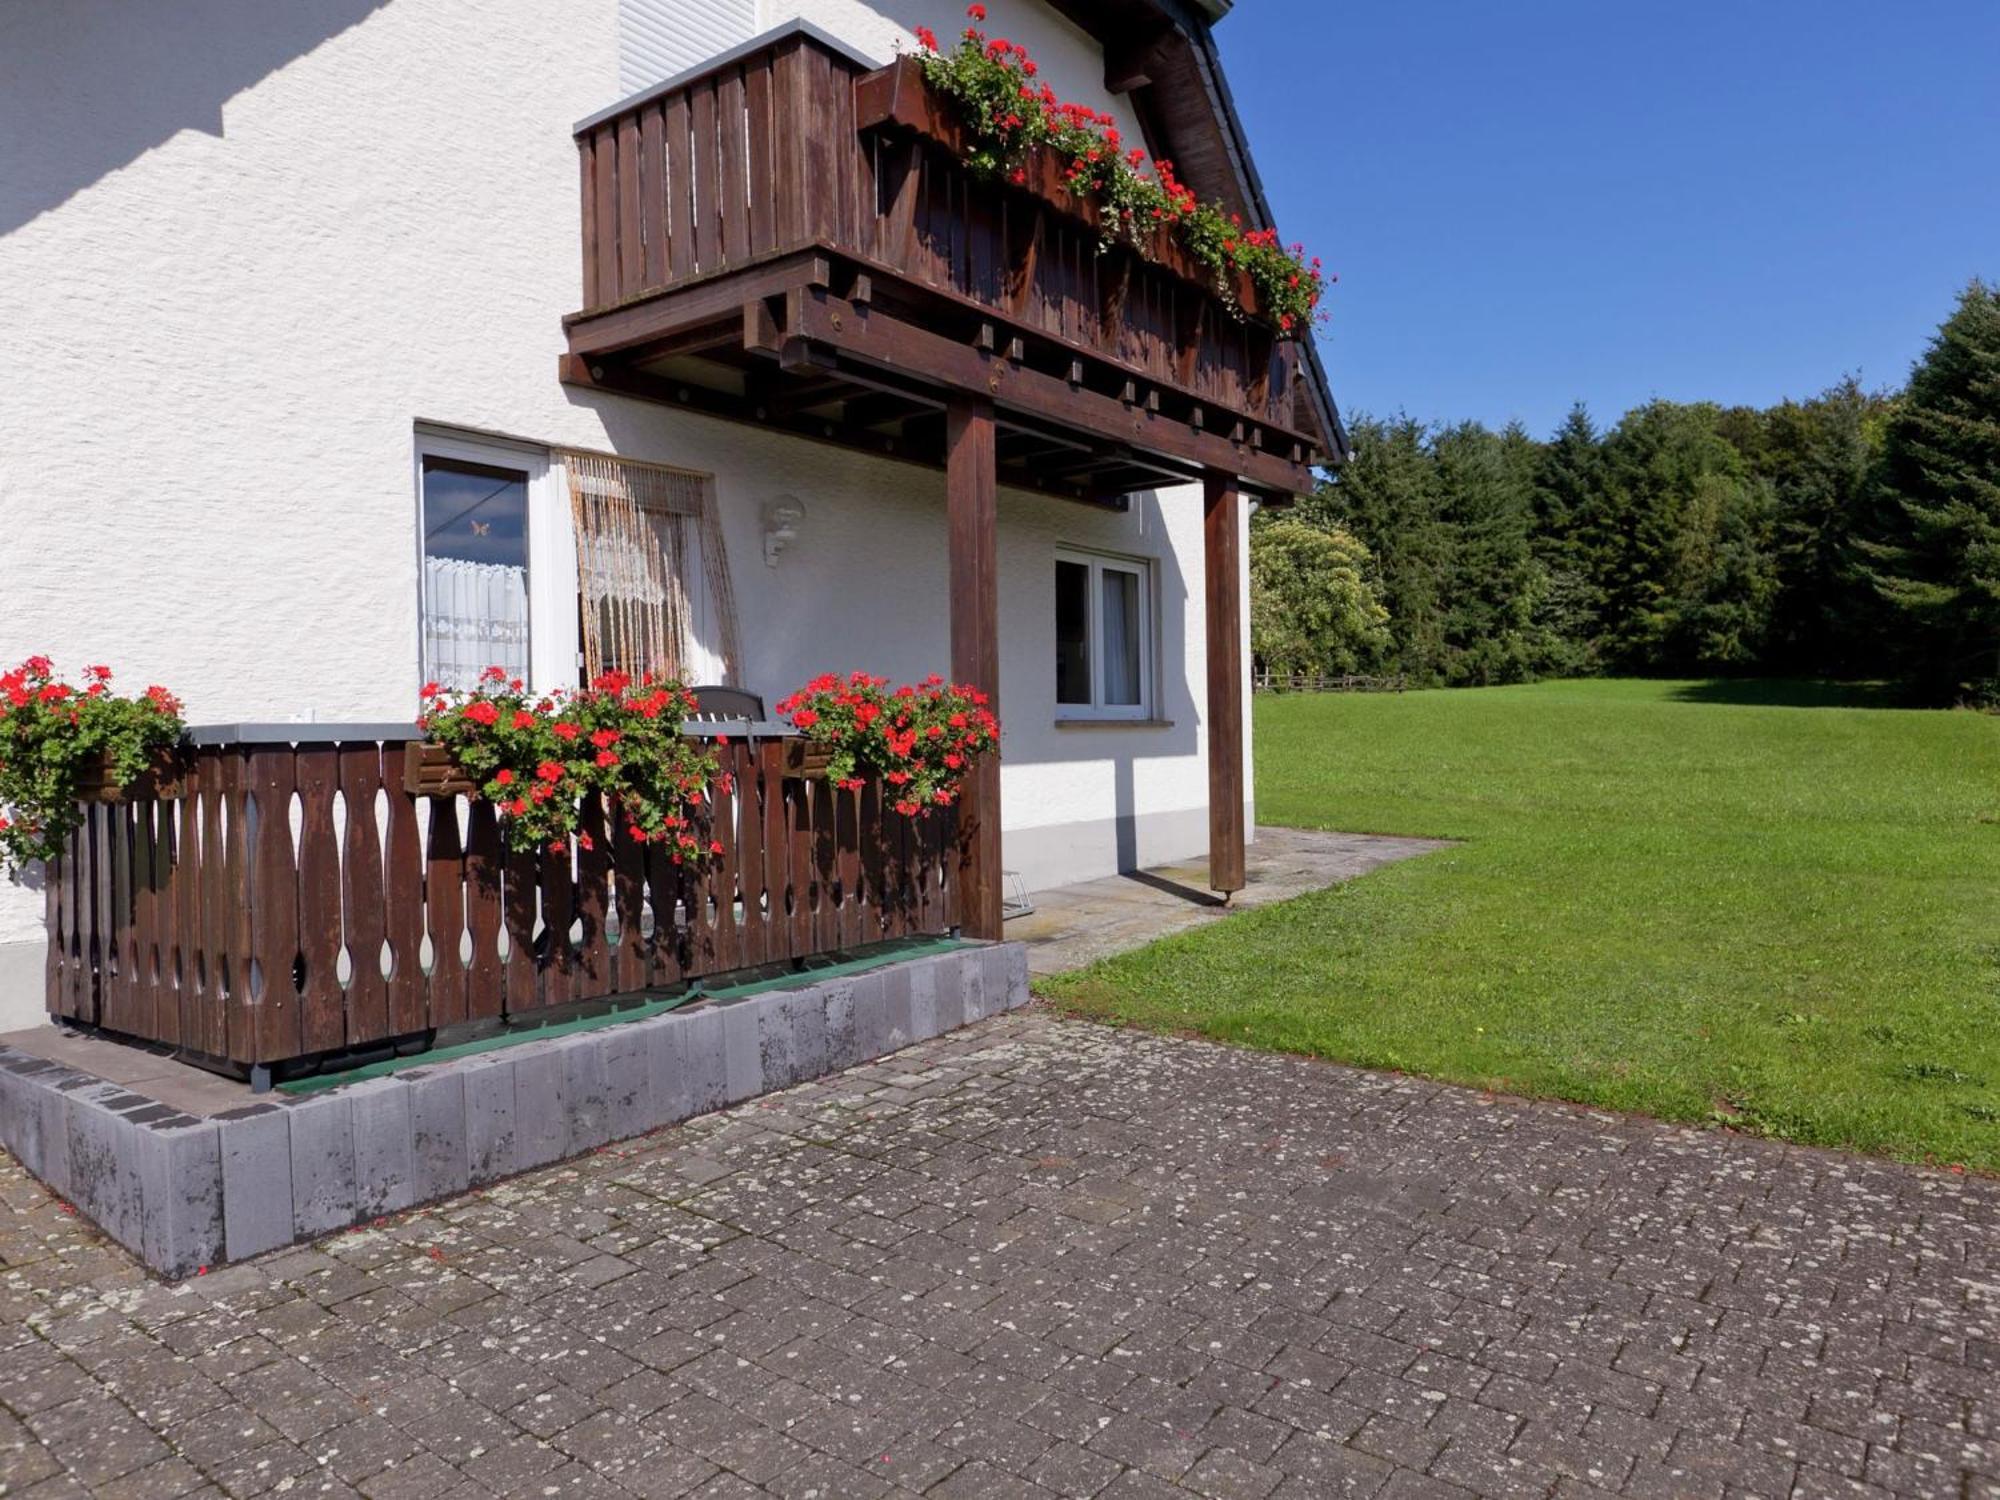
column 1121, row 638
column 475, row 571
column 1072, row 633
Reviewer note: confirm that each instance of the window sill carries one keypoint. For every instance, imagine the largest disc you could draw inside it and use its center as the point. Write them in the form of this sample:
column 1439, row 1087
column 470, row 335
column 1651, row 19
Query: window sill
column 1094, row 723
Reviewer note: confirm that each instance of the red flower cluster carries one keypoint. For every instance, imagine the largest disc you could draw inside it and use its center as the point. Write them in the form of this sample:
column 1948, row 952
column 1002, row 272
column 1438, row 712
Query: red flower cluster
column 919, row 739
column 1010, row 118
column 51, row 731
column 539, row 758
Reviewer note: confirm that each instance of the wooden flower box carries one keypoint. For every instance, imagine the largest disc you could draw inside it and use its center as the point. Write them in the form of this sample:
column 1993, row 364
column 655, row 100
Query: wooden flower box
column 898, row 97
column 807, row 758
column 97, row 783
column 429, row 771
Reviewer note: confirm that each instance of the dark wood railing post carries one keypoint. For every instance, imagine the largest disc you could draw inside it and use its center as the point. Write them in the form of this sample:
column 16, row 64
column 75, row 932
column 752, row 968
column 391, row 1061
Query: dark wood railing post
column 1222, row 568
column 975, row 644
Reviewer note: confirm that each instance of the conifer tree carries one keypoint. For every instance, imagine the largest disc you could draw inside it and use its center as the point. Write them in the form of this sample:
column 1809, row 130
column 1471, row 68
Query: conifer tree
column 1386, row 494
column 1820, row 456
column 1936, row 558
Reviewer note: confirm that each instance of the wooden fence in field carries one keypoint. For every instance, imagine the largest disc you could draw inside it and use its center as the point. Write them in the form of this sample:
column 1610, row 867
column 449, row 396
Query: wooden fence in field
column 1325, row 682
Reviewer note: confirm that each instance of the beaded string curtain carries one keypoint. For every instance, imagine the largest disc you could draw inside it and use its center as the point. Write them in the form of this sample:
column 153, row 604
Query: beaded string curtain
column 640, row 529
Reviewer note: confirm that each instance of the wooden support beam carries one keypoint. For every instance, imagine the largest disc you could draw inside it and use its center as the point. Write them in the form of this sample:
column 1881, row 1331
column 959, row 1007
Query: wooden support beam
column 701, row 300
column 973, row 519
column 1222, row 572
column 870, row 337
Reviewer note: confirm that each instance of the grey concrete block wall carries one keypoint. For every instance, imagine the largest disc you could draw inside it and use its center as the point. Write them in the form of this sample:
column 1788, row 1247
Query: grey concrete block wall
column 257, row 1212
column 182, row 1193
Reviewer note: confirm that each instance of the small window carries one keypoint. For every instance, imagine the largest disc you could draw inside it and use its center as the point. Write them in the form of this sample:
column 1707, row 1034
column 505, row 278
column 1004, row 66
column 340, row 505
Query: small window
column 1104, row 637
column 475, row 599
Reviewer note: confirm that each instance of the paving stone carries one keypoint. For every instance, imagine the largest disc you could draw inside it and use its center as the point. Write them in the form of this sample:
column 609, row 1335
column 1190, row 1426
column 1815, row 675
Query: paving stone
column 743, row 1053
column 704, row 1056
column 180, row 1171
column 104, row 1176
column 489, row 1116
column 322, row 1152
column 925, row 1022
column 898, row 1022
column 439, row 1154
column 385, row 1176
column 257, row 1182
column 540, row 1134
column 839, row 1001
column 628, row 1105
column 1035, row 1257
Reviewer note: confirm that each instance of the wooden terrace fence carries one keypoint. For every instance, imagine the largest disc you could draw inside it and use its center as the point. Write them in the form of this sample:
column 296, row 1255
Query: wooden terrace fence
column 797, row 145
column 287, row 899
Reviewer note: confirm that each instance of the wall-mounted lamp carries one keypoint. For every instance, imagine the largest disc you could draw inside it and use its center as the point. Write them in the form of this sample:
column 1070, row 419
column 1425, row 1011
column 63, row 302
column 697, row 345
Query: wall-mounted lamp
column 781, row 526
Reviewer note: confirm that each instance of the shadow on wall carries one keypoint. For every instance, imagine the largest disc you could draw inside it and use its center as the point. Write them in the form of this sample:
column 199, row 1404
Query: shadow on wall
column 89, row 86
column 1181, row 701
column 1027, row 671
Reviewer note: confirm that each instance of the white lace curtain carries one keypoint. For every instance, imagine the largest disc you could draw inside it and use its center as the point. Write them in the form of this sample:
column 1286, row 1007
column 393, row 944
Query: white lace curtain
column 475, row 616
column 1121, row 637
column 652, row 570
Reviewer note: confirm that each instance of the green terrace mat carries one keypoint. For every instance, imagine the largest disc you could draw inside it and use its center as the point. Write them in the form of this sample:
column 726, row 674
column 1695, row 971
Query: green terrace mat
column 568, row 1020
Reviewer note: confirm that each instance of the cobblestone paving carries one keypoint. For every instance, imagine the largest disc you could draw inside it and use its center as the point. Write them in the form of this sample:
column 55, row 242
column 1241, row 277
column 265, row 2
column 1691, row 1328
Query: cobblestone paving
column 1042, row 1257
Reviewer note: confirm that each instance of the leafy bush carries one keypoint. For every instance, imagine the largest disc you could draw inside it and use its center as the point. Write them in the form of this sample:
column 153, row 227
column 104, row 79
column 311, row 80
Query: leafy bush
column 1312, row 608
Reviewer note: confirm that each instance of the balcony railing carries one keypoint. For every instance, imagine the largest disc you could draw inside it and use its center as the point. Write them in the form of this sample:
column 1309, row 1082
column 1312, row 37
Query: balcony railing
column 798, row 145
column 287, row 899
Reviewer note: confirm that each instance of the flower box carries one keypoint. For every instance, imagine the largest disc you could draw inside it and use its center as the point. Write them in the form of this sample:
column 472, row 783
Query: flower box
column 96, row 782
column 429, row 771
column 897, row 97
column 807, row 758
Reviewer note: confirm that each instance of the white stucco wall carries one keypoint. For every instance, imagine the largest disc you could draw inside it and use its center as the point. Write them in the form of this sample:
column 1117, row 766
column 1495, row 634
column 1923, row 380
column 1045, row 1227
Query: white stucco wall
column 1070, row 61
column 244, row 248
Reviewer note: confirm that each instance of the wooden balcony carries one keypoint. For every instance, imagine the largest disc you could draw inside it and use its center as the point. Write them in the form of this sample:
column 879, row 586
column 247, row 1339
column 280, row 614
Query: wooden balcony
column 285, row 900
column 789, row 237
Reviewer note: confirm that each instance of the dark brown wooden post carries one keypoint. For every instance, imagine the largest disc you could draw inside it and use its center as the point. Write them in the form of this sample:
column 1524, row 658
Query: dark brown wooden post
column 975, row 644
column 1222, row 567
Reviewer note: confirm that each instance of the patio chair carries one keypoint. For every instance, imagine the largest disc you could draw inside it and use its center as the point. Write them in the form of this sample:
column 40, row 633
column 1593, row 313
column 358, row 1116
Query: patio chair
column 727, row 703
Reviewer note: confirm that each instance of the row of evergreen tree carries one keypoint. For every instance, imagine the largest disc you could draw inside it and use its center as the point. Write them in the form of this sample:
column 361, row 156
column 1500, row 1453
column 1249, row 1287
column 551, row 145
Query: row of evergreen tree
column 1852, row 535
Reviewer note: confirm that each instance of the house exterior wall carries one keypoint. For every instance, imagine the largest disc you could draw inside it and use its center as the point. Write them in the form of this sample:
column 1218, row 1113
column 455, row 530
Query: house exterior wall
column 659, row 38
column 245, row 249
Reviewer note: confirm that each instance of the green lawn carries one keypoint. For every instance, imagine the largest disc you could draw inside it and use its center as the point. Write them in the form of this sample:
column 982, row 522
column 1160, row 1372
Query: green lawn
column 1679, row 898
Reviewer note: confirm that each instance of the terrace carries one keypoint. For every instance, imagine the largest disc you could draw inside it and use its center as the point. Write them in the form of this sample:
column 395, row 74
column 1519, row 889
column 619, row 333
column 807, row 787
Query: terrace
column 299, row 894
column 789, row 237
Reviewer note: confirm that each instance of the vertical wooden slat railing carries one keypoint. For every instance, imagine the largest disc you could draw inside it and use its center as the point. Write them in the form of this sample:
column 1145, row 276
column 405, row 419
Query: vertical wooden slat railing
column 752, row 158
column 766, row 154
column 285, row 900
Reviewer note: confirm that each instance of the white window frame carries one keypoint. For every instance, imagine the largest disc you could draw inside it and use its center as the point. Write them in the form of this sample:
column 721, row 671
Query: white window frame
column 1141, row 568
column 553, row 647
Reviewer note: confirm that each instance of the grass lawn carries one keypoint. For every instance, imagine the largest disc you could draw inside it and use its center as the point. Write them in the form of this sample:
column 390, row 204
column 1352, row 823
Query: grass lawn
column 1687, row 899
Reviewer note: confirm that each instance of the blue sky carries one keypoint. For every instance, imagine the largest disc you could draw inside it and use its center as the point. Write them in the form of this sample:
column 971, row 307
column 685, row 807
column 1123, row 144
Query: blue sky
column 1536, row 203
